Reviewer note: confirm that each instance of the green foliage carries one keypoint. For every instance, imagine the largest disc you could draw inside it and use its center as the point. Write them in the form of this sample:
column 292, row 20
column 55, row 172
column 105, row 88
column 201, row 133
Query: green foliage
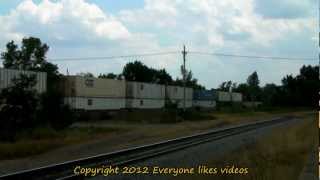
column 54, row 112
column 244, row 89
column 271, row 94
column 253, row 80
column 137, row 71
column 300, row 90
column 86, row 74
column 108, row 76
column 253, row 85
column 21, row 109
column 31, row 56
column 18, row 109
column 193, row 115
column 303, row 89
column 190, row 80
column 227, row 85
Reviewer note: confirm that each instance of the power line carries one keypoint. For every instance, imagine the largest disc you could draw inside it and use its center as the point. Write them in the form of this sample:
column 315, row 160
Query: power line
column 112, row 57
column 177, row 52
column 254, row 57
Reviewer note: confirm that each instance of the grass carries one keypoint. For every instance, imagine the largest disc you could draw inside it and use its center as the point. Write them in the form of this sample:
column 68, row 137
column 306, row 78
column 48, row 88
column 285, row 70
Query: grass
column 44, row 139
column 281, row 155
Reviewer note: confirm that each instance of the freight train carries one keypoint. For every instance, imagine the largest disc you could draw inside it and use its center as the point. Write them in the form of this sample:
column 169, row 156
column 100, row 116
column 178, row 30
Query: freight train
column 94, row 94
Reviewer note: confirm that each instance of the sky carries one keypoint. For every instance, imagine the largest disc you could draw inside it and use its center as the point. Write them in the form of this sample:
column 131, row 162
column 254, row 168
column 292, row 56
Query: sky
column 99, row 28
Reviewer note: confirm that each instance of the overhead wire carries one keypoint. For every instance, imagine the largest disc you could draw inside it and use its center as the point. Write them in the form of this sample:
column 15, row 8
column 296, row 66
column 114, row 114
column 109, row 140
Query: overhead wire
column 253, row 57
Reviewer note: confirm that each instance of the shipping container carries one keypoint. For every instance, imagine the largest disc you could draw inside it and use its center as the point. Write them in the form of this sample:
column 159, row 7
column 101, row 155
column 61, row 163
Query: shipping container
column 144, row 95
column 87, row 93
column 223, row 96
column 236, row 97
column 95, row 103
column 203, row 95
column 204, row 99
column 227, row 96
column 7, row 76
column 204, row 103
column 175, row 95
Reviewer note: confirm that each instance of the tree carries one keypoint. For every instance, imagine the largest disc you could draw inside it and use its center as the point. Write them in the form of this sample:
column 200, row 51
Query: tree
column 162, row 77
column 18, row 106
column 54, row 112
column 243, row 88
column 303, row 89
column 253, row 85
column 108, row 76
column 227, row 85
column 12, row 56
column 253, row 80
column 137, row 71
column 190, row 80
column 31, row 56
column 270, row 95
column 86, row 74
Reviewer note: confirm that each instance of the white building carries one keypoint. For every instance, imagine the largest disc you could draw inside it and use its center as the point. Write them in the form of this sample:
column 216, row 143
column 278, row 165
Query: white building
column 144, row 95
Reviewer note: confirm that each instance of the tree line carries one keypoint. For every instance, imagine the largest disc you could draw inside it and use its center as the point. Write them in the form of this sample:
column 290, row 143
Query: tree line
column 301, row 90
column 138, row 71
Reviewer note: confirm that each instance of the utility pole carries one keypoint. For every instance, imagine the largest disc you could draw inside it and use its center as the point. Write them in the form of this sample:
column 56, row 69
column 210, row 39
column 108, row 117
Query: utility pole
column 184, row 53
column 231, row 98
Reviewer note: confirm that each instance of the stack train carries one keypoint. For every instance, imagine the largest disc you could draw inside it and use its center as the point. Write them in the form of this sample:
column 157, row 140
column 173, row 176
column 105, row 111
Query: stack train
column 97, row 94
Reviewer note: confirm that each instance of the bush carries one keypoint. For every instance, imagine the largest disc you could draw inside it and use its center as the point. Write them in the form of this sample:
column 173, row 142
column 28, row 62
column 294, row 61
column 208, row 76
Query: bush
column 54, row 112
column 21, row 109
column 18, row 106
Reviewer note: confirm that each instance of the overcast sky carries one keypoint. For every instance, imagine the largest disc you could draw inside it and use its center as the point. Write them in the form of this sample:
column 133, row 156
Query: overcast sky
column 79, row 28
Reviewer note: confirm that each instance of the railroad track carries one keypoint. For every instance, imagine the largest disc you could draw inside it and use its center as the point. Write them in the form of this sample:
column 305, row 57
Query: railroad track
column 132, row 155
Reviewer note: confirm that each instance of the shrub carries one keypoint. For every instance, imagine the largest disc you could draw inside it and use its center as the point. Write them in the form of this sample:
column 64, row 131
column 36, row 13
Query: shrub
column 54, row 112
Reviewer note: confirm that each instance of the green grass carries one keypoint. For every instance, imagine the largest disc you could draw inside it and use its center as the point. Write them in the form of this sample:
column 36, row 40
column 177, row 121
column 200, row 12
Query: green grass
column 46, row 139
column 281, row 155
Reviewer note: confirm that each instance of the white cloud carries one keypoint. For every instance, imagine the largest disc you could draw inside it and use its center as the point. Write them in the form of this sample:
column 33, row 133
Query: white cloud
column 159, row 13
column 75, row 28
column 63, row 20
column 213, row 19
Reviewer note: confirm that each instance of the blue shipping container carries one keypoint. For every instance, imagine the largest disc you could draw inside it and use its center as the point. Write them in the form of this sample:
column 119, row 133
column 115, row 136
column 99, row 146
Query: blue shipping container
column 203, row 95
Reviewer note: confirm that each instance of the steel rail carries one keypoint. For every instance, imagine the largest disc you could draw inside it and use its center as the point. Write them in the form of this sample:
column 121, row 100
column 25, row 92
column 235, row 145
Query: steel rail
column 65, row 170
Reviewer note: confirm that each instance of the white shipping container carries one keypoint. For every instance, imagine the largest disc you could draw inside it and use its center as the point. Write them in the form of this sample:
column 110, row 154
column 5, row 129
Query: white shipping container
column 145, row 90
column 89, row 93
column 176, row 93
column 92, row 103
column 180, row 103
column 96, row 87
column 145, row 95
column 7, row 76
column 227, row 96
column 223, row 96
column 145, row 103
column 236, row 97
